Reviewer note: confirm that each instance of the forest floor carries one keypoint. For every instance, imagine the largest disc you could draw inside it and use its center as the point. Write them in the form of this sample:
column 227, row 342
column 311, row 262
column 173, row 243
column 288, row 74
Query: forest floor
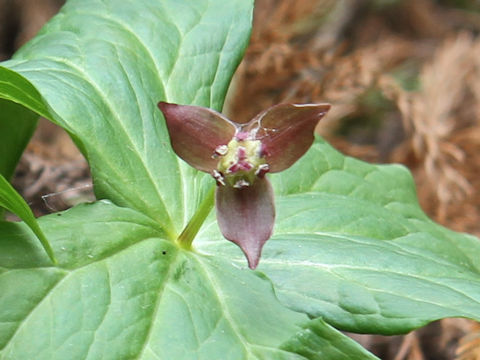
column 403, row 77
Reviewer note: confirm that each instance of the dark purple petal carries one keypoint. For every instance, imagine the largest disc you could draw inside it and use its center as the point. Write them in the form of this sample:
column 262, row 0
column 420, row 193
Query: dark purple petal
column 286, row 132
column 195, row 132
column 246, row 216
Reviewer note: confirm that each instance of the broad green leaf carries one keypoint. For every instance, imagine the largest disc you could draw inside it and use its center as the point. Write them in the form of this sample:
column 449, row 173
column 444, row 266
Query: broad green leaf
column 122, row 291
column 16, row 88
column 352, row 245
column 17, row 123
column 319, row 341
column 102, row 66
column 16, row 127
column 13, row 202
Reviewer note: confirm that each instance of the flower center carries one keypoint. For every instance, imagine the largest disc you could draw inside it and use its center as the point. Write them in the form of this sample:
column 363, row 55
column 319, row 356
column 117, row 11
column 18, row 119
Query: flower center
column 241, row 161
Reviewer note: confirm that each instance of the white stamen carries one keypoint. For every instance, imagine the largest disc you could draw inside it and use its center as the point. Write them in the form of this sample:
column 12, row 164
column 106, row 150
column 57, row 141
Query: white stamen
column 240, row 184
column 217, row 175
column 262, row 169
column 221, row 150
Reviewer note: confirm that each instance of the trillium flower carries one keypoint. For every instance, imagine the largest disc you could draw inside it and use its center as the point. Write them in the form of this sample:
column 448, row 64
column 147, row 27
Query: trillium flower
column 239, row 156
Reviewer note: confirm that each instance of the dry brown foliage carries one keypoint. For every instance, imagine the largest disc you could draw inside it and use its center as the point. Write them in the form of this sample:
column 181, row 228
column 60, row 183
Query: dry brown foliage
column 431, row 116
column 469, row 348
column 52, row 174
column 20, row 20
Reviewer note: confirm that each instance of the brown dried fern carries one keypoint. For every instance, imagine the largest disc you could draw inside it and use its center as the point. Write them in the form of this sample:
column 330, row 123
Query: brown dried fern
column 469, row 347
column 430, row 116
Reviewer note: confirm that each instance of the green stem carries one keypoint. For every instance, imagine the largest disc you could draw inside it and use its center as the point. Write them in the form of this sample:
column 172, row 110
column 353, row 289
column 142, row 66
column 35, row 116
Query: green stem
column 188, row 234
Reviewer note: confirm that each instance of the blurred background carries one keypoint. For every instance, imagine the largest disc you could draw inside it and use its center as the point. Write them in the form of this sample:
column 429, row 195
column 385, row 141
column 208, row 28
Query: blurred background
column 403, row 77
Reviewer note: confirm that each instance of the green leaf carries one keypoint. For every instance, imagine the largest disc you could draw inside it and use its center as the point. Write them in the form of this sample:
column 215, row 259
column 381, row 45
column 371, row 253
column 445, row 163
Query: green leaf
column 319, row 341
column 16, row 127
column 352, row 245
column 13, row 202
column 103, row 89
column 16, row 88
column 17, row 123
column 122, row 291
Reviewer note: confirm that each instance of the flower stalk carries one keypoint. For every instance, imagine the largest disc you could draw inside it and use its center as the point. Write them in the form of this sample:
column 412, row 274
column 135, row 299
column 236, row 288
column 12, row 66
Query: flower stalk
column 188, row 234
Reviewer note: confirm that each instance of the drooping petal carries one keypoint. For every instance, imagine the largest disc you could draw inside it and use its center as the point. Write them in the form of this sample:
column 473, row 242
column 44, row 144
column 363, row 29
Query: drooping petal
column 286, row 132
column 246, row 216
column 195, row 132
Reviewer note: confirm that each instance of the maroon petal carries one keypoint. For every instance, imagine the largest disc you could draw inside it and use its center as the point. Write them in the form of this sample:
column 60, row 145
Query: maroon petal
column 246, row 216
column 195, row 132
column 286, row 132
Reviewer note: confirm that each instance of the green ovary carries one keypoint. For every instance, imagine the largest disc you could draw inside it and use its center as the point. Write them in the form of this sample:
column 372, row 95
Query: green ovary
column 241, row 162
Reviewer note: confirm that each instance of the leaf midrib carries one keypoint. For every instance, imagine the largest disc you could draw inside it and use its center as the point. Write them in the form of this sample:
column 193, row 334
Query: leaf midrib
column 141, row 161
